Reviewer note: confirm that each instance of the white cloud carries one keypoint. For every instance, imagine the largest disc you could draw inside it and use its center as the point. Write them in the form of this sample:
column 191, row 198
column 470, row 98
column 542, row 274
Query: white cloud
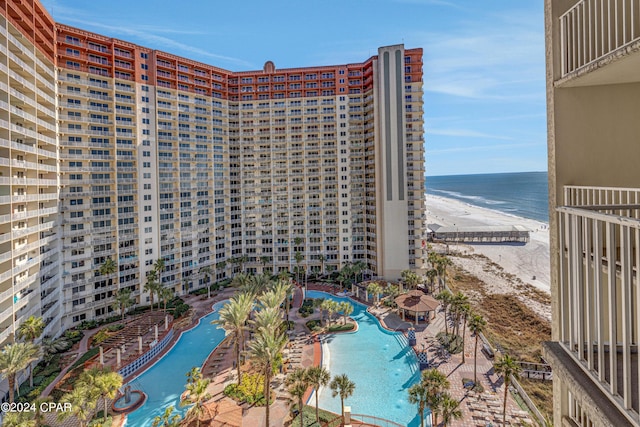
column 494, row 58
column 466, row 133
column 492, row 147
column 146, row 33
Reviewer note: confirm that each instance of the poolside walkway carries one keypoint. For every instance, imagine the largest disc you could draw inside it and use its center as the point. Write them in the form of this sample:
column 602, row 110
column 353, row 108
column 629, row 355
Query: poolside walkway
column 478, row 409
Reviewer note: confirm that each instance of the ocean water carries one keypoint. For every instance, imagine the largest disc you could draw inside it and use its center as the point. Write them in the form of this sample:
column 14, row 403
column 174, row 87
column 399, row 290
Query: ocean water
column 523, row 194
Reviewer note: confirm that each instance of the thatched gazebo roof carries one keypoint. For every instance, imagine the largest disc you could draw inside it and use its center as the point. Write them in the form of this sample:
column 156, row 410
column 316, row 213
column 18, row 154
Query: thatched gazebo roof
column 417, row 301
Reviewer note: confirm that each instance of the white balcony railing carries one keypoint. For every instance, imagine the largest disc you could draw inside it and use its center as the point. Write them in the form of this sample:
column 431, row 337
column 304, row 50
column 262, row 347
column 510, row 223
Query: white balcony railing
column 599, row 240
column 592, row 29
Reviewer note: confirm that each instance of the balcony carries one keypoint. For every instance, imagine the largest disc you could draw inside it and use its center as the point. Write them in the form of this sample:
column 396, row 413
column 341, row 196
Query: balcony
column 594, row 33
column 599, row 240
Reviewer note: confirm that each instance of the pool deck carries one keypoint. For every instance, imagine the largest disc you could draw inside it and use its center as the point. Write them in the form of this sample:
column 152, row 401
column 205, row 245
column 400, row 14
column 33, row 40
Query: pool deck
column 478, row 409
column 306, row 351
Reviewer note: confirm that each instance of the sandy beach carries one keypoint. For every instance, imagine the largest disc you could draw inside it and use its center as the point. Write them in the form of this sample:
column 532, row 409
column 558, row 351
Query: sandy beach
column 528, row 262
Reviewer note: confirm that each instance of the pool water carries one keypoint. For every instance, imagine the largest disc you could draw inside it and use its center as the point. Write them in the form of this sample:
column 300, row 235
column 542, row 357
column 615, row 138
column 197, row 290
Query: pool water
column 379, row 362
column 164, row 382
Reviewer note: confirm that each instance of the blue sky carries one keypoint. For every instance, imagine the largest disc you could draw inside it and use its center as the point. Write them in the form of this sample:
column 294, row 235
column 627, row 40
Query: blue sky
column 484, row 60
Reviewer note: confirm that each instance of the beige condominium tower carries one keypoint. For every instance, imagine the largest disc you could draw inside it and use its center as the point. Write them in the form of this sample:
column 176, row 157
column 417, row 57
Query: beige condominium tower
column 111, row 150
column 593, row 90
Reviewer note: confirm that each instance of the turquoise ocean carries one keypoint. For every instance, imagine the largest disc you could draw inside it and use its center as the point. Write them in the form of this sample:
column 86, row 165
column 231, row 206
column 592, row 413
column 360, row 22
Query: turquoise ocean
column 523, row 194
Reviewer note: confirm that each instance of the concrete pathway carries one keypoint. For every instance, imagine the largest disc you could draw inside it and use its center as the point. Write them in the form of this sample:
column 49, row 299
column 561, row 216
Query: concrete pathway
column 478, row 409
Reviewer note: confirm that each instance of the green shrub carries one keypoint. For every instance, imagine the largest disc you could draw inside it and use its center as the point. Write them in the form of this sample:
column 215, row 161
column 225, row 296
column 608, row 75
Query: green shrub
column 99, row 421
column 47, row 368
column 306, row 309
column 87, row 324
column 340, row 328
column 88, row 355
column 100, row 336
column 180, row 310
column 111, row 319
column 309, row 417
column 313, row 325
column 451, row 342
column 116, row 327
column 250, row 390
column 73, row 336
column 141, row 309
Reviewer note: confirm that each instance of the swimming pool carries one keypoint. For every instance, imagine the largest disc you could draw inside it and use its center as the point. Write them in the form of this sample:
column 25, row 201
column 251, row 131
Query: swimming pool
column 379, row 362
column 164, row 381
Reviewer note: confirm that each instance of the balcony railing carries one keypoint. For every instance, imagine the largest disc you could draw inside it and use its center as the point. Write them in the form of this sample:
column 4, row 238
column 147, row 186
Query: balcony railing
column 592, row 29
column 599, row 241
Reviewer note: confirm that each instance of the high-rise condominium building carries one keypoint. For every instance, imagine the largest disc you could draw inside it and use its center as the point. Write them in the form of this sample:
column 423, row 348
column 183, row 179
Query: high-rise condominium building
column 593, row 89
column 110, row 150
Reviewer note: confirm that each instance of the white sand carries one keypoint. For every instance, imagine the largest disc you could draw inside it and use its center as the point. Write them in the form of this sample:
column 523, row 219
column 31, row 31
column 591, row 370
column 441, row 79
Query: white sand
column 522, row 260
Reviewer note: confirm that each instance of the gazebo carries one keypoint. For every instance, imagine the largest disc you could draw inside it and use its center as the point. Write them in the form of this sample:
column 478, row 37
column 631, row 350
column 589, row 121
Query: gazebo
column 416, row 303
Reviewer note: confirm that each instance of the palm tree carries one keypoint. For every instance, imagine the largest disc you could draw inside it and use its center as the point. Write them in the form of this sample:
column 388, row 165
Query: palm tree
column 476, row 326
column 357, row 268
column 50, row 347
column 243, row 260
column 435, row 383
column 39, row 415
column 392, row 291
column 19, row 419
column 206, row 273
column 266, row 350
column 410, row 278
column 506, row 366
column 268, row 320
column 151, row 285
column 194, row 374
column 450, row 408
column 83, row 402
column 418, row 395
column 159, row 267
column 259, row 284
column 441, row 267
column 431, row 275
column 233, row 318
column 167, row 419
column 299, row 258
column 220, row 266
column 322, row 259
column 166, row 294
column 285, row 287
column 375, row 289
column 465, row 310
column 108, row 268
column 458, row 303
column 330, row 306
column 30, row 330
column 318, row 376
column 341, row 385
column 123, row 300
column 197, row 396
column 298, row 382
column 445, row 298
column 13, row 359
column 346, row 308
column 265, row 260
column 343, row 276
column 240, row 280
column 104, row 382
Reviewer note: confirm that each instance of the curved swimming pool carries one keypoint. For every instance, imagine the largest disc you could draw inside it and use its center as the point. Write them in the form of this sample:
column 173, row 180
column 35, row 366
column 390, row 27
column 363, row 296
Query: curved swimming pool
column 164, row 381
column 379, row 362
